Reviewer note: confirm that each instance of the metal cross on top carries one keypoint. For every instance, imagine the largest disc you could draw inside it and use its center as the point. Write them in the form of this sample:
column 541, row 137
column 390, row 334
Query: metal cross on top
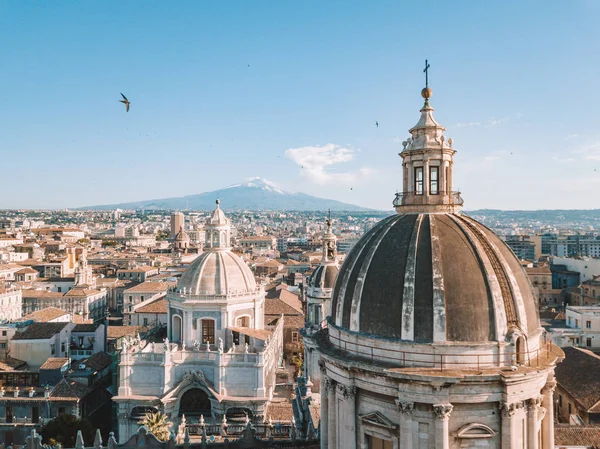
column 426, row 73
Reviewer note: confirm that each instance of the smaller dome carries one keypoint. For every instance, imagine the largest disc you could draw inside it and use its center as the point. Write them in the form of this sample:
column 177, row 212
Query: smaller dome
column 217, row 274
column 182, row 236
column 324, row 276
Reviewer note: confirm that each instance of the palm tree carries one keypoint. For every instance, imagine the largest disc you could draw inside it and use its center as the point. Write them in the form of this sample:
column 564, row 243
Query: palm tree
column 158, row 425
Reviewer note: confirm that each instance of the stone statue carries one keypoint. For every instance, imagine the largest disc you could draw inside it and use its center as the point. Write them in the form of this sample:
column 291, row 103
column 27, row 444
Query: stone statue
column 207, row 346
column 166, row 344
column 220, row 345
column 246, row 348
column 124, row 344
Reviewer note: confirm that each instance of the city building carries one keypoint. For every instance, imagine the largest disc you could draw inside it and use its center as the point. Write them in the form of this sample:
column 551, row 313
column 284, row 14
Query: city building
column 219, row 358
column 434, row 338
column 177, row 223
column 11, row 302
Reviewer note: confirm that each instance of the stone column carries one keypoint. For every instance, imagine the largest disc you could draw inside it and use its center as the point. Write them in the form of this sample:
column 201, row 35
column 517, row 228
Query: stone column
column 332, row 437
column 323, row 425
column 405, row 177
column 442, row 412
column 532, row 422
column 426, row 192
column 548, row 421
column 349, row 394
column 508, row 423
column 406, row 410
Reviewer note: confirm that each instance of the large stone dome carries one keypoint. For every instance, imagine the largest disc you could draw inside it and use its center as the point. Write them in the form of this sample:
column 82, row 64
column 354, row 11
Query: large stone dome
column 217, row 273
column 433, row 277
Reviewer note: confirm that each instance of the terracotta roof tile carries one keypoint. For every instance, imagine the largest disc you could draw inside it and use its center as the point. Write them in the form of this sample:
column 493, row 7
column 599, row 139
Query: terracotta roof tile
column 159, row 306
column 45, row 315
column 40, row 331
column 583, row 436
column 578, row 375
column 55, row 363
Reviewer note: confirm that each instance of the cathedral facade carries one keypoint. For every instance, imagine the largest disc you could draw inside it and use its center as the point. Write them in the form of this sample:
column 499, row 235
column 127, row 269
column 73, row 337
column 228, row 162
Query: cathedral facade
column 434, row 339
column 219, row 359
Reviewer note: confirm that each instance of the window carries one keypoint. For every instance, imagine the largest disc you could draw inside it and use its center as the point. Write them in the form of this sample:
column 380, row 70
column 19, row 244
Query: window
column 80, row 341
column 35, row 414
column 145, row 321
column 62, row 347
column 8, row 414
column 378, row 443
column 588, row 342
column 3, row 345
column 208, row 331
column 294, row 336
column 61, row 410
column 588, row 324
column 419, row 180
column 130, row 299
column 576, row 322
column 433, row 180
column 560, row 400
column 4, row 333
column 52, row 349
column 569, row 408
column 59, row 289
column 142, row 298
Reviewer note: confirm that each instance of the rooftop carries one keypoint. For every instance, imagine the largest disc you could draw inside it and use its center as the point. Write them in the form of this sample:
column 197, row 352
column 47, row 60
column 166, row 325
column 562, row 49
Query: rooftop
column 45, row 315
column 40, row 331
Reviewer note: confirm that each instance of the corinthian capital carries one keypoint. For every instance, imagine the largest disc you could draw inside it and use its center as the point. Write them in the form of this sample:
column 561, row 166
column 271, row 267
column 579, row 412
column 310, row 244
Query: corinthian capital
column 405, row 407
column 549, row 387
column 509, row 409
column 442, row 411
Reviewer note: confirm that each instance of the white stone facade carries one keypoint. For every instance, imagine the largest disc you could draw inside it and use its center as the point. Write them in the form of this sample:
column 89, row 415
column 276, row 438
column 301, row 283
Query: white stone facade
column 218, row 356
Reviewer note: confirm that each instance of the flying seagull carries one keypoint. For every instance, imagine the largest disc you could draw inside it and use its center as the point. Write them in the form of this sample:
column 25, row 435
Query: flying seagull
column 376, row 123
column 126, row 101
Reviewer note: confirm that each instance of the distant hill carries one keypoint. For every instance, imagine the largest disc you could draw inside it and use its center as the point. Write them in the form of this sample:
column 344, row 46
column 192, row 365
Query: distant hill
column 256, row 194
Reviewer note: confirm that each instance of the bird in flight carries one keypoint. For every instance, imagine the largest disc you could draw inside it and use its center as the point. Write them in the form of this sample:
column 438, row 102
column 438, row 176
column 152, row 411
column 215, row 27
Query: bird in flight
column 377, row 124
column 126, row 101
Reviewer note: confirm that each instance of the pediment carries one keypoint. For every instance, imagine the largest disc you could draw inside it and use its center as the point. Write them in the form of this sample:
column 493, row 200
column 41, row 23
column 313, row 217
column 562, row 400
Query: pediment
column 191, row 378
column 377, row 419
column 474, row 430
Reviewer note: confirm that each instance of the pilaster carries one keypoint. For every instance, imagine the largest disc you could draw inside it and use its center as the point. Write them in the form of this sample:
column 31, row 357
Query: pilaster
column 548, row 421
column 532, row 423
column 406, row 411
column 332, row 399
column 324, row 424
column 349, row 418
column 508, row 411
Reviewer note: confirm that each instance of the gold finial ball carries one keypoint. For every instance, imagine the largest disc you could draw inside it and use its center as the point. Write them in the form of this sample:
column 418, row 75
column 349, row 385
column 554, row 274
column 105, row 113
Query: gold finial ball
column 426, row 93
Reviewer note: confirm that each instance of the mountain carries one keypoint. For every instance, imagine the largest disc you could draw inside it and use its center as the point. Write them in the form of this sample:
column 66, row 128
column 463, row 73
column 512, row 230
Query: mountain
column 256, row 194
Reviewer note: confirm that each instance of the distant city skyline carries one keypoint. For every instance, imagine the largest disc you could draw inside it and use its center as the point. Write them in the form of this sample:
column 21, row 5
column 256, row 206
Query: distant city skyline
column 224, row 92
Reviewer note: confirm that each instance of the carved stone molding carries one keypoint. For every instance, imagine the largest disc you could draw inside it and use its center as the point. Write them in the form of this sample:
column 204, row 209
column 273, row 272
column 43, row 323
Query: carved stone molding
column 442, row 411
column 322, row 366
column 405, row 407
column 534, row 403
column 347, row 392
column 509, row 409
column 549, row 387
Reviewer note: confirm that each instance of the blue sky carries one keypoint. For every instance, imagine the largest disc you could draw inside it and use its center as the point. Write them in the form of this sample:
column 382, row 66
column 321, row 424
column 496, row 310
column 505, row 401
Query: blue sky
column 221, row 91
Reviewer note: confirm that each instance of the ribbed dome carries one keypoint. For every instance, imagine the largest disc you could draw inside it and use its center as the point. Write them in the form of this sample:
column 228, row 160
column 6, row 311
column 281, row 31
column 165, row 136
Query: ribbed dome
column 217, row 273
column 433, row 278
column 324, row 276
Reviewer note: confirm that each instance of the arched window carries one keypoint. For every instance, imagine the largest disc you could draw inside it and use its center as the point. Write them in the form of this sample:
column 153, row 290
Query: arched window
column 520, row 350
column 176, row 328
column 208, row 331
column 195, row 402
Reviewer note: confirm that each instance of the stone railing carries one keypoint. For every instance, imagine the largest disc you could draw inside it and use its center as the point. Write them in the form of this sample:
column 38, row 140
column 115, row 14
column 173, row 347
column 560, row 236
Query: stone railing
column 247, row 439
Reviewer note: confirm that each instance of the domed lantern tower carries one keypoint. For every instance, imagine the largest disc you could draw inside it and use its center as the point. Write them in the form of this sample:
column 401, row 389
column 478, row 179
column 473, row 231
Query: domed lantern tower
column 434, row 338
column 318, row 302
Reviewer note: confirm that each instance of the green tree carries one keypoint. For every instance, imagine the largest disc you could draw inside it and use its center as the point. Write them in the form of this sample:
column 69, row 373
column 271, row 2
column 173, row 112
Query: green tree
column 157, row 424
column 63, row 429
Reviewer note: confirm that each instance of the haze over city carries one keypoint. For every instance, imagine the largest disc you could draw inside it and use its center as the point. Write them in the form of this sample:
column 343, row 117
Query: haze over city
column 291, row 92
